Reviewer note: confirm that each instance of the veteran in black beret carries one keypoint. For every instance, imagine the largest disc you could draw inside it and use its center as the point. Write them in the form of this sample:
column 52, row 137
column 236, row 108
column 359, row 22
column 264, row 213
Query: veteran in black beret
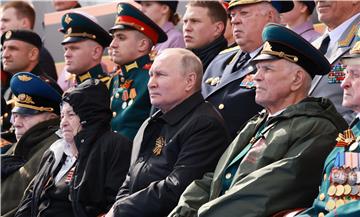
column 134, row 35
column 275, row 162
column 35, row 117
column 84, row 43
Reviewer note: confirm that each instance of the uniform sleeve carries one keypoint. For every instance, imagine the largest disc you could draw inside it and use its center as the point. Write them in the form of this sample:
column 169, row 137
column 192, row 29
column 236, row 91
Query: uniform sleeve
column 201, row 146
column 289, row 182
column 196, row 194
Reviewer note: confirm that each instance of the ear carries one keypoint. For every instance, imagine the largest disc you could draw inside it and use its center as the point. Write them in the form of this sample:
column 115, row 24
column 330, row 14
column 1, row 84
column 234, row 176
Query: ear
column 190, row 80
column 303, row 8
column 218, row 28
column 97, row 52
column 164, row 9
column 143, row 45
column 298, row 80
column 34, row 54
column 25, row 23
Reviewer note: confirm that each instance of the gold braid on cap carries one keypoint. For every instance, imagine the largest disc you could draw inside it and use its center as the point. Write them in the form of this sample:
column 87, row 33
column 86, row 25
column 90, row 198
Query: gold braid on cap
column 42, row 109
column 267, row 49
column 83, row 34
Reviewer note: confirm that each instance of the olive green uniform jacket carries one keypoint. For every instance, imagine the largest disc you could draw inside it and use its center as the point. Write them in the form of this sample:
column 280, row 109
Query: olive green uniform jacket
column 31, row 148
column 282, row 170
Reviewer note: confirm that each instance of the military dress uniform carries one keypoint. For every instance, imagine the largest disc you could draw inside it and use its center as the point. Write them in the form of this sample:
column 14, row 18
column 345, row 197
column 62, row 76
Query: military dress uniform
column 328, row 86
column 339, row 192
column 34, row 94
column 228, row 81
column 77, row 27
column 130, row 101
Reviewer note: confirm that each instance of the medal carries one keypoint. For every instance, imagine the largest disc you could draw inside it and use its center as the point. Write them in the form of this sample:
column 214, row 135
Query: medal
column 331, row 190
column 337, row 74
column 339, row 203
column 132, row 96
column 330, row 205
column 339, row 190
column 159, row 144
column 124, row 105
column 347, row 189
column 354, row 190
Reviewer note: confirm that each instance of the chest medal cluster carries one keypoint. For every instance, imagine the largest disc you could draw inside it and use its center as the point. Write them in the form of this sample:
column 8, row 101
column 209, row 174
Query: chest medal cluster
column 345, row 175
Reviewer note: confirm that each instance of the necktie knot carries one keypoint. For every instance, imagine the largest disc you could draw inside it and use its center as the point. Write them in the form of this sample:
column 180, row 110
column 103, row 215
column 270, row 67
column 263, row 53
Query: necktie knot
column 324, row 45
column 244, row 57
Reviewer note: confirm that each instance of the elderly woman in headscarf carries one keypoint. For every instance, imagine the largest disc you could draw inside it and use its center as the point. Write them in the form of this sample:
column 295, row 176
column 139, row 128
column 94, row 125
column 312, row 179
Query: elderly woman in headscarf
column 80, row 174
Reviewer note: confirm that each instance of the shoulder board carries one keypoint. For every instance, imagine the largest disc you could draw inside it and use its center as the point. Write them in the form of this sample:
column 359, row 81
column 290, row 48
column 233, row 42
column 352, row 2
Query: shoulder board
column 350, row 36
column 230, row 49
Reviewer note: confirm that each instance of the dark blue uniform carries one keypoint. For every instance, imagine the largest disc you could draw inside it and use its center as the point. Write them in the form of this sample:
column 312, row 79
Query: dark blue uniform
column 231, row 90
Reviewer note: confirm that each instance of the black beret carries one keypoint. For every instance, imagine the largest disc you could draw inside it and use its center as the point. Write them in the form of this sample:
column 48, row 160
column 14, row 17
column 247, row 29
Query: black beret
column 22, row 35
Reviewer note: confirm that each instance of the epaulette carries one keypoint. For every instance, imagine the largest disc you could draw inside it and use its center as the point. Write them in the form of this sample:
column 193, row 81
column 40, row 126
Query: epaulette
column 230, row 49
column 350, row 36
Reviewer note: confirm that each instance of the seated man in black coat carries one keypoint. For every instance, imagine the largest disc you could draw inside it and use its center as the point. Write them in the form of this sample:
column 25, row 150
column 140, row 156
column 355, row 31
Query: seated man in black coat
column 176, row 145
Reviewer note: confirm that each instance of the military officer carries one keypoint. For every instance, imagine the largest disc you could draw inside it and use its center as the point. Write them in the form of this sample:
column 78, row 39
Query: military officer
column 20, row 53
column 267, row 167
column 228, row 81
column 84, row 43
column 342, row 19
column 134, row 34
column 340, row 188
column 35, row 117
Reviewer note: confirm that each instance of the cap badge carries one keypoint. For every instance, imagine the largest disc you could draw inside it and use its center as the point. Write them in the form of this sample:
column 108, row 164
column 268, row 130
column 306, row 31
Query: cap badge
column 267, row 47
column 25, row 98
column 67, row 19
column 24, row 78
column 8, row 34
column 119, row 9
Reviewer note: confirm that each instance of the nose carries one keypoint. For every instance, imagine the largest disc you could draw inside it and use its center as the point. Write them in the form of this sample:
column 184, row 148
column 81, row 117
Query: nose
column 152, row 82
column 113, row 44
column 67, row 53
column 5, row 53
column 257, row 76
column 235, row 19
column 346, row 82
column 186, row 26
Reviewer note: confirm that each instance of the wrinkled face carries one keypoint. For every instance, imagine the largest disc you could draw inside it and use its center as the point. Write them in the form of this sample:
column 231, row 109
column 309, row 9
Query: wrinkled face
column 351, row 86
column 248, row 24
column 198, row 28
column 152, row 10
column 63, row 5
column 70, row 123
column 78, row 57
column 166, row 84
column 16, row 56
column 272, row 82
column 23, row 122
column 333, row 13
column 9, row 20
column 123, row 48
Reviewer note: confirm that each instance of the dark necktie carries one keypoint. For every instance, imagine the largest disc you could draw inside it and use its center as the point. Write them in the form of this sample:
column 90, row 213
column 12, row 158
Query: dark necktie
column 242, row 60
column 324, row 45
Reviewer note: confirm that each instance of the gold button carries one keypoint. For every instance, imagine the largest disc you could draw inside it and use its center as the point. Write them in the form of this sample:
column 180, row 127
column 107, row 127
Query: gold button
column 228, row 176
column 321, row 214
column 6, row 115
column 117, row 95
column 114, row 114
column 322, row 196
column 221, row 106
